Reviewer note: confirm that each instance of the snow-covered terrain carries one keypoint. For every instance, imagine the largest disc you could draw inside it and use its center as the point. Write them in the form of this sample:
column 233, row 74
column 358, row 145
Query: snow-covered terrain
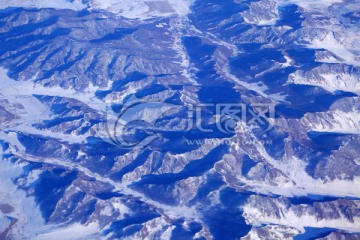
column 101, row 136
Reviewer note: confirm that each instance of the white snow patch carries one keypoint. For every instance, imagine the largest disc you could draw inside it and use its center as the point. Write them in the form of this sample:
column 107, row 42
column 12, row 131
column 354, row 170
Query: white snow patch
column 333, row 45
column 291, row 219
column 329, row 81
column 304, row 184
column 312, row 4
column 268, row 10
column 75, row 231
column 301, row 183
column 334, row 121
column 76, row 5
column 25, row 210
column 142, row 9
column 30, row 111
column 135, row 9
column 288, row 62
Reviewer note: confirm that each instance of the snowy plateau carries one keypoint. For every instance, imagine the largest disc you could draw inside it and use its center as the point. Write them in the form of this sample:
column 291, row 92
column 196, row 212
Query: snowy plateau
column 119, row 119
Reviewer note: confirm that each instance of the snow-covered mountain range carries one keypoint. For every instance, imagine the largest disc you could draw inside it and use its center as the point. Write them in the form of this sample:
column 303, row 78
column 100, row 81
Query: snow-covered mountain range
column 64, row 170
